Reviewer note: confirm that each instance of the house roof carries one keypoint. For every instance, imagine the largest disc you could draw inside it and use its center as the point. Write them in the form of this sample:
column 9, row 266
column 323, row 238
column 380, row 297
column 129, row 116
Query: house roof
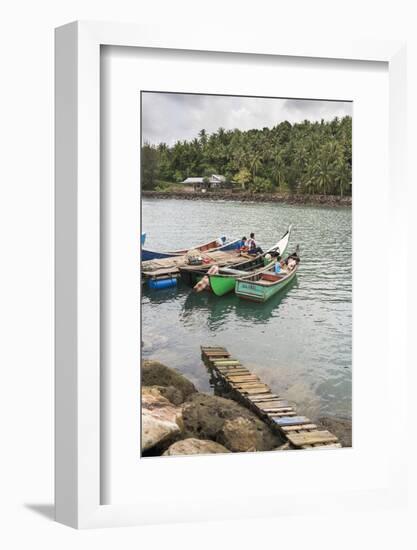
column 193, row 180
column 215, row 178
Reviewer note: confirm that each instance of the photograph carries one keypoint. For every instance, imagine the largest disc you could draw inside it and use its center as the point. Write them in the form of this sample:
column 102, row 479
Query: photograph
column 246, row 273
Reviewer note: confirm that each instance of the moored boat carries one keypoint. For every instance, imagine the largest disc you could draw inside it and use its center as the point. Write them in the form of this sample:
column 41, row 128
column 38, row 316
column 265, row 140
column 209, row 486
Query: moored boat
column 260, row 286
column 221, row 244
column 224, row 281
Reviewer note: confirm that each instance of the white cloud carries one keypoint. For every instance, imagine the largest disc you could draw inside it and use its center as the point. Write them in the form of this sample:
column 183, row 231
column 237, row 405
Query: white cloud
column 169, row 117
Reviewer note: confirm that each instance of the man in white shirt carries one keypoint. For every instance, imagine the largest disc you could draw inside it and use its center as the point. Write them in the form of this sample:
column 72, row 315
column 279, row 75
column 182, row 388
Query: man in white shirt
column 252, row 246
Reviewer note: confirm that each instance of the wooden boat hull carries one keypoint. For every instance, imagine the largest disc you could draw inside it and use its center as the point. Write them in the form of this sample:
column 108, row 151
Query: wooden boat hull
column 206, row 247
column 257, row 292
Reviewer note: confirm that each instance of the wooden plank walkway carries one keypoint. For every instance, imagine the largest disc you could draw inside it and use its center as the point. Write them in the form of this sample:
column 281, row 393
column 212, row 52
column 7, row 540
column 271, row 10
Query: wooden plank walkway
column 257, row 396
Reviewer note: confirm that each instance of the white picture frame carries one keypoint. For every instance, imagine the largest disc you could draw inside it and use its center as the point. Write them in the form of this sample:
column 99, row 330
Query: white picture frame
column 78, row 426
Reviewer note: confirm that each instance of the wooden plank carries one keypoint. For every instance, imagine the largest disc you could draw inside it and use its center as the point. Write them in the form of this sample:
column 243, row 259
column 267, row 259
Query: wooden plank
column 226, row 363
column 271, row 412
column 237, row 369
column 256, row 402
column 272, row 416
column 309, row 438
column 249, row 385
column 233, row 372
column 298, row 427
column 289, row 420
column 226, row 376
column 263, row 398
column 242, row 378
column 273, row 404
column 232, row 369
column 254, row 391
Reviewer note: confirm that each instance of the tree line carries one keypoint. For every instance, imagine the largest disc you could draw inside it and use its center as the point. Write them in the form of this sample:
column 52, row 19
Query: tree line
column 306, row 157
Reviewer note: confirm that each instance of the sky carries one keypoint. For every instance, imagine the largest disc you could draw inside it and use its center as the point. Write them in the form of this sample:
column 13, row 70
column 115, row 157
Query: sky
column 169, row 117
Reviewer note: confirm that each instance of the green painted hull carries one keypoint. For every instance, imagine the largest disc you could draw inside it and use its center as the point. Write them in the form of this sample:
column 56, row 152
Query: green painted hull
column 256, row 292
column 222, row 285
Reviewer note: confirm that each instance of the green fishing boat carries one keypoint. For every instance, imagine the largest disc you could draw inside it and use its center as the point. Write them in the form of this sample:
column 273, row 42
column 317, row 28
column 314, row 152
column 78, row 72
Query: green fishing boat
column 260, row 286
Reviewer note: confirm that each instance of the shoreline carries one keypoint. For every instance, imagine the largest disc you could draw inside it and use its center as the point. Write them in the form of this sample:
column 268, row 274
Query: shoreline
column 313, row 200
column 177, row 419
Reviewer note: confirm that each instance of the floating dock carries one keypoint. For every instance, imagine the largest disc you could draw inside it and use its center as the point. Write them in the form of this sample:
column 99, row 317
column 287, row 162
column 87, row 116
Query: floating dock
column 169, row 267
column 247, row 387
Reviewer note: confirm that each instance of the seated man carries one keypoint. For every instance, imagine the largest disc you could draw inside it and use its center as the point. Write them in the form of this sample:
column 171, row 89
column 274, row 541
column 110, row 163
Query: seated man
column 253, row 248
column 243, row 245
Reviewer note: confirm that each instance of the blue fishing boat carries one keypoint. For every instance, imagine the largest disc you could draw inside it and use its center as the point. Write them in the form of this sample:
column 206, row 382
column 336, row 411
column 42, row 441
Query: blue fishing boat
column 217, row 244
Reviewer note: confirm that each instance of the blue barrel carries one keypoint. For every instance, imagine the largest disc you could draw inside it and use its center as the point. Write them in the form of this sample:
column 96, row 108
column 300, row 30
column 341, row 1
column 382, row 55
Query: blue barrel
column 162, row 283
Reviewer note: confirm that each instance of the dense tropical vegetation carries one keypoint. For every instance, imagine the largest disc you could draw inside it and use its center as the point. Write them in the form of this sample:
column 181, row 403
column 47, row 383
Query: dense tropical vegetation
column 307, row 157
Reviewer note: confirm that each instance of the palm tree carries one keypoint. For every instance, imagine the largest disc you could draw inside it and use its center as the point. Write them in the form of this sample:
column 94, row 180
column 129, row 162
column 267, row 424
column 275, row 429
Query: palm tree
column 239, row 158
column 202, row 134
column 309, row 177
column 324, row 172
column 278, row 168
column 255, row 163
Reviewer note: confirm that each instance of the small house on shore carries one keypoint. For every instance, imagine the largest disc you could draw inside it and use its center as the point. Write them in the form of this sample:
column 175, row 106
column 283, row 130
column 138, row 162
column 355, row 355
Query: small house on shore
column 200, row 183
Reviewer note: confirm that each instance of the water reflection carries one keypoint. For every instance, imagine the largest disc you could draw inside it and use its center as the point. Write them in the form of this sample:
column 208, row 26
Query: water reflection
column 218, row 309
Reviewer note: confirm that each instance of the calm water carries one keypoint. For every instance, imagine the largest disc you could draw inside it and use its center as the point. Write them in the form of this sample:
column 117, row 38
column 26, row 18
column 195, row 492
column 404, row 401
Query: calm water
column 299, row 342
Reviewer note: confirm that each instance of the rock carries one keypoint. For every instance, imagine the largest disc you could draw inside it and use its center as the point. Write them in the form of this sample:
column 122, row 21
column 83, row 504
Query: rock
column 172, row 394
column 192, row 446
column 157, row 374
column 156, row 433
column 227, row 423
column 241, row 435
column 161, row 420
column 340, row 427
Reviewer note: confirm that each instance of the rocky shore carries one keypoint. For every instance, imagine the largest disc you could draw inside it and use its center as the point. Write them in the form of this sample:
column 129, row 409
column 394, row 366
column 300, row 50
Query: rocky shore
column 179, row 420
column 242, row 196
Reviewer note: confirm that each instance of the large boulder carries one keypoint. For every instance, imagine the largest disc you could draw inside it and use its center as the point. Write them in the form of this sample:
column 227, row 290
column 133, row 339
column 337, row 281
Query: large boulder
column 157, row 374
column 241, row 434
column 161, row 420
column 228, row 423
column 193, row 446
column 340, row 427
column 172, row 394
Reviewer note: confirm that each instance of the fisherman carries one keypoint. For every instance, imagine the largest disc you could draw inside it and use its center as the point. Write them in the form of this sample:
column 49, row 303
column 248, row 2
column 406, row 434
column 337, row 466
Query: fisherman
column 252, row 246
column 243, row 245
